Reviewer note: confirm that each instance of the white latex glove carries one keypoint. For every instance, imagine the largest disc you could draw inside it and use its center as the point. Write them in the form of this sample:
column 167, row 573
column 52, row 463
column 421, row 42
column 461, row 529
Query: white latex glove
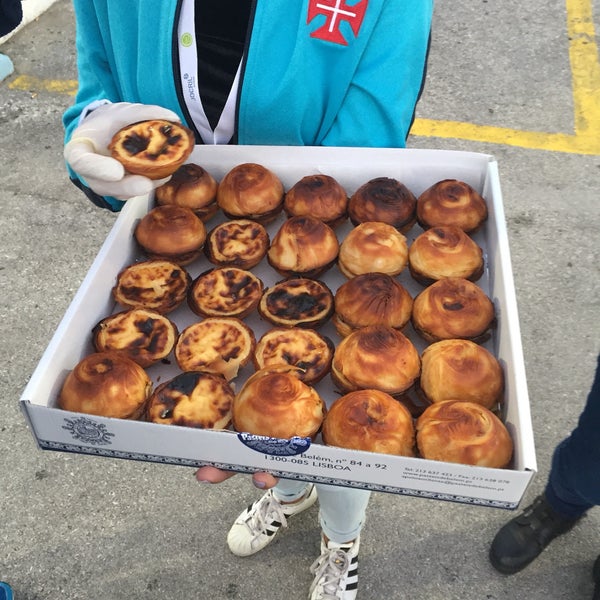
column 88, row 155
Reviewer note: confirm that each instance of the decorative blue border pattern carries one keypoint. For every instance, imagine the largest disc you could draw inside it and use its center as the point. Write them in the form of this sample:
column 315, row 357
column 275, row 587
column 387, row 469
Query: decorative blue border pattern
column 95, row 450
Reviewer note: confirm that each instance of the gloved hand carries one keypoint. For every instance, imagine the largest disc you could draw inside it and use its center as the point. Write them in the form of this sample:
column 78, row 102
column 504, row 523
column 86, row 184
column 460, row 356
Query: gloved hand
column 88, row 155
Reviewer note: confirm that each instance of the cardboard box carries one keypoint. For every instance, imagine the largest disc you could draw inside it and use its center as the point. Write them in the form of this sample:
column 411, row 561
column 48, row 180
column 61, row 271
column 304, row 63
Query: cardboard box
column 55, row 429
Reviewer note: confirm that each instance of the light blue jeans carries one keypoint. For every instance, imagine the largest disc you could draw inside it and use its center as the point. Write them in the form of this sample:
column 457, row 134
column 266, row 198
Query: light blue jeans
column 341, row 510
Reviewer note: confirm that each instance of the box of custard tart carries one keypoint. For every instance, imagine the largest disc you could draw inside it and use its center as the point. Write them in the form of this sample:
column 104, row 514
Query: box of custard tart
column 348, row 317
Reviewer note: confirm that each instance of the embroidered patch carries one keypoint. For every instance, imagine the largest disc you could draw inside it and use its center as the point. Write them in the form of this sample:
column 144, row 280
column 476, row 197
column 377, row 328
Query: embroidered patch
column 336, row 11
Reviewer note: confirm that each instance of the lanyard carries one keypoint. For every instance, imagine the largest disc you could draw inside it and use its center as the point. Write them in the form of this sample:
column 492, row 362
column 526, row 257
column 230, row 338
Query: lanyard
column 188, row 59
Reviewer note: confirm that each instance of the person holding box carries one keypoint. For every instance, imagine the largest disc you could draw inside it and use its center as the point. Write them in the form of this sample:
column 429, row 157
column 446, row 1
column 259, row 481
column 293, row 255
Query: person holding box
column 272, row 72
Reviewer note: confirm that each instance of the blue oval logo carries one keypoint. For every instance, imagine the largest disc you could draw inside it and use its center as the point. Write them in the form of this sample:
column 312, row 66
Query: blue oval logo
column 275, row 446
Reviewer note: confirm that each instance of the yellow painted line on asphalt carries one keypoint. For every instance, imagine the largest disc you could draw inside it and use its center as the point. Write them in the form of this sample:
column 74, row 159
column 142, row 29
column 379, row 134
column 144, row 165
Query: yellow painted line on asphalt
column 585, row 77
column 585, row 67
column 585, row 81
column 37, row 85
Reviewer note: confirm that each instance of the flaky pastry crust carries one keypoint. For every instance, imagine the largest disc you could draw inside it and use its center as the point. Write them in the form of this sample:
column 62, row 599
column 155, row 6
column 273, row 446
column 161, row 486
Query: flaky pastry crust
column 370, row 420
column 191, row 186
column 320, row 196
column 107, row 384
column 275, row 402
column 464, row 432
column 373, row 247
column 383, row 199
column 375, row 357
column 251, row 191
column 461, row 370
column 444, row 251
column 451, row 202
column 371, row 299
column 303, row 247
column 453, row 308
column 172, row 233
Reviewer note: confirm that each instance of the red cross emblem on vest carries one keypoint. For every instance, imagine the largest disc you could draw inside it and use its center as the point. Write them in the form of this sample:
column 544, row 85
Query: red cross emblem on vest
column 335, row 12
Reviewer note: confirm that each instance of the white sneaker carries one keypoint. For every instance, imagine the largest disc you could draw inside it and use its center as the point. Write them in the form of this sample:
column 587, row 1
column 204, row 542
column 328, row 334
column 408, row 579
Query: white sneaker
column 259, row 523
column 336, row 571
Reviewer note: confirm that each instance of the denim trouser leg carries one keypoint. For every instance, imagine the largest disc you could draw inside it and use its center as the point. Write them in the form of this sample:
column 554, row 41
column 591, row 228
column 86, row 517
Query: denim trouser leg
column 342, row 510
column 574, row 482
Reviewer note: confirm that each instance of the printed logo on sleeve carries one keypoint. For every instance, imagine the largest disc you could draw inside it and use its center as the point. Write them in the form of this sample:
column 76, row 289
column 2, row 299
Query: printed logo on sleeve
column 336, row 12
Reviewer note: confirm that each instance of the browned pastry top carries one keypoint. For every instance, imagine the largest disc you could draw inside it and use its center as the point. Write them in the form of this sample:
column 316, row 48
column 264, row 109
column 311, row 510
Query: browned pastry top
column 221, row 345
column 158, row 285
column 445, row 251
column 107, row 384
column 370, row 420
column 225, row 292
column 275, row 402
column 250, row 190
column 320, row 196
column 373, row 247
column 463, row 432
column 154, row 148
column 383, row 199
column 461, row 370
column 303, row 245
column 144, row 335
column 376, row 357
column 297, row 302
column 371, row 299
column 191, row 186
column 192, row 399
column 170, row 231
column 451, row 202
column 237, row 243
column 453, row 308
column 304, row 348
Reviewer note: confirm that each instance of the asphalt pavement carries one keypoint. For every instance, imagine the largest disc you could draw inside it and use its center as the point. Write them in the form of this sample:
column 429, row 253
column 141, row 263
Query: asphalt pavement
column 83, row 528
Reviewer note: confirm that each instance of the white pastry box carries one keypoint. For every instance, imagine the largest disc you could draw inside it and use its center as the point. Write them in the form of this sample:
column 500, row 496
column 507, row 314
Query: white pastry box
column 55, row 429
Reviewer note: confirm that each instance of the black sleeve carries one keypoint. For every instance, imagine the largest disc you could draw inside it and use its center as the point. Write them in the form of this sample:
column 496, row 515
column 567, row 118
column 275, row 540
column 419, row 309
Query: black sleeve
column 98, row 200
column 11, row 15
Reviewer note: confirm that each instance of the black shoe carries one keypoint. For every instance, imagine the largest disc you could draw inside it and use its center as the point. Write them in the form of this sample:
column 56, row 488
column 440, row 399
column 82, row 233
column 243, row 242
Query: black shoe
column 522, row 540
column 596, row 576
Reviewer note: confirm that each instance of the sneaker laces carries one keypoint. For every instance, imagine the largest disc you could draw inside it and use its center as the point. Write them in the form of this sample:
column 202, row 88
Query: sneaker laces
column 329, row 570
column 268, row 512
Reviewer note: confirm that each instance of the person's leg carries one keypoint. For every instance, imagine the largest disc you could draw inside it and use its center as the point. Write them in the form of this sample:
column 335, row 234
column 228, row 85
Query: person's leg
column 573, row 487
column 257, row 526
column 596, row 577
column 342, row 511
column 342, row 515
column 574, row 481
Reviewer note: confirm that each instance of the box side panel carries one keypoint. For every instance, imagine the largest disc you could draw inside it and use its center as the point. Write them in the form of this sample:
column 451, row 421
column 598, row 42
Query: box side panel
column 507, row 342
column 116, row 438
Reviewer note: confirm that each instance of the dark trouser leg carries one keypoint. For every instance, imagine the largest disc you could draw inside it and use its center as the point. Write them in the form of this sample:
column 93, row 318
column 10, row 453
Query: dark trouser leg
column 574, row 482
